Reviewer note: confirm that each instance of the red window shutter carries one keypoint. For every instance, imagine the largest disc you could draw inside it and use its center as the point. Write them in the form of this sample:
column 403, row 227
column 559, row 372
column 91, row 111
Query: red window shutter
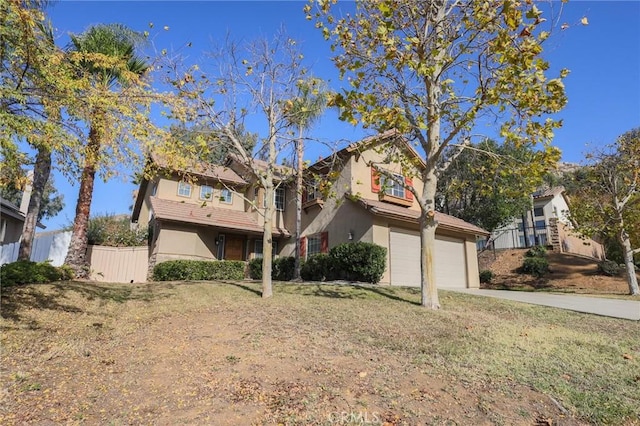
column 408, row 194
column 303, row 247
column 375, row 180
column 324, row 242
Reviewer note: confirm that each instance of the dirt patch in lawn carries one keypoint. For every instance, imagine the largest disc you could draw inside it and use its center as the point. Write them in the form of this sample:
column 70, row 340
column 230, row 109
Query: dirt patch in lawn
column 568, row 273
column 213, row 353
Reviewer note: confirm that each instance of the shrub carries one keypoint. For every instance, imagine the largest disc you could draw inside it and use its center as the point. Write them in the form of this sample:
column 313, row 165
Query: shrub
column 317, row 268
column 609, row 267
column 180, row 270
column 486, row 276
column 537, row 251
column 537, row 266
column 359, row 261
column 113, row 231
column 283, row 268
column 255, row 268
column 27, row 272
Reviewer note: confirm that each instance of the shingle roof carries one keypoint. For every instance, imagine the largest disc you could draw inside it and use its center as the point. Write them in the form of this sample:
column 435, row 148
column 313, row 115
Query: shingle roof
column 402, row 213
column 207, row 170
column 549, row 192
column 205, row 215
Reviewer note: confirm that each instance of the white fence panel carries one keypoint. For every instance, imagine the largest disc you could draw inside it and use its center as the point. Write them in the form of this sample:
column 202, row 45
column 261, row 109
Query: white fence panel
column 51, row 246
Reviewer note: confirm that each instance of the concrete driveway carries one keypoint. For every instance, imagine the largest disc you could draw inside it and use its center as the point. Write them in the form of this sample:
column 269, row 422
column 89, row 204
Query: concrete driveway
column 616, row 308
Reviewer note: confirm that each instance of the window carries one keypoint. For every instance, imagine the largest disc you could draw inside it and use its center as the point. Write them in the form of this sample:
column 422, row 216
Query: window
column 154, row 189
column 394, row 186
column 226, row 196
column 257, row 249
column 279, row 198
column 314, row 245
column 184, row 189
column 206, row 192
column 538, row 211
column 540, row 224
column 313, row 193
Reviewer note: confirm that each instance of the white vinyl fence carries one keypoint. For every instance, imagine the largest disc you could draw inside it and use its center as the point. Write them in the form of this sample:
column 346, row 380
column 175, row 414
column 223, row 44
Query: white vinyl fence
column 46, row 246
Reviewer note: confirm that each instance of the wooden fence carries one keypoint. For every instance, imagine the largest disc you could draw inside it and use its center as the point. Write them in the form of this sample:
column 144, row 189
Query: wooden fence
column 118, row 264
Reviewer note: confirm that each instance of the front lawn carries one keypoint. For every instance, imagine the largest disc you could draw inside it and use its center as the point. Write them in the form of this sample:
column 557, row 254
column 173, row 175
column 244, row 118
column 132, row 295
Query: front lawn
column 216, row 353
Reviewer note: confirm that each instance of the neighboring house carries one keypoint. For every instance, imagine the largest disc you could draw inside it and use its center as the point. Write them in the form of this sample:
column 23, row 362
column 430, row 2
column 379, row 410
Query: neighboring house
column 532, row 227
column 546, row 224
column 209, row 212
column 11, row 222
column 218, row 215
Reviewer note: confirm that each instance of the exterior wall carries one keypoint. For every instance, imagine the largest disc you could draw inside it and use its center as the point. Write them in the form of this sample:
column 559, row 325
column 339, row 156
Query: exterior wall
column 12, row 229
column 565, row 240
column 473, row 270
column 360, row 182
column 176, row 241
column 118, row 264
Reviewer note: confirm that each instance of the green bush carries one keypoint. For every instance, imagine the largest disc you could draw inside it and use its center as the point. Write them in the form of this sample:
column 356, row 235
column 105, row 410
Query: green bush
column 359, row 261
column 27, row 272
column 318, row 267
column 197, row 270
column 486, row 276
column 113, row 231
column 283, row 268
column 255, row 268
column 609, row 267
column 537, row 266
column 537, row 251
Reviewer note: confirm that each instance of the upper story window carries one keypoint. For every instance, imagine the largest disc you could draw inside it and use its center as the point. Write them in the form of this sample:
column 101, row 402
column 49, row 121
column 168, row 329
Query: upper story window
column 184, row 189
column 313, row 192
column 226, row 196
column 538, row 211
column 279, row 198
column 393, row 186
column 206, row 192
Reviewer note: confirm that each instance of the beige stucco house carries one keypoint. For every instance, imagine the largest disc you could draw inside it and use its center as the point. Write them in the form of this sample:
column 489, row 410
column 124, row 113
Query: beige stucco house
column 218, row 214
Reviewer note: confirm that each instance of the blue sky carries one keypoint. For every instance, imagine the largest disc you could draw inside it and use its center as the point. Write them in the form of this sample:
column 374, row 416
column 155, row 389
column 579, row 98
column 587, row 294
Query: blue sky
column 603, row 87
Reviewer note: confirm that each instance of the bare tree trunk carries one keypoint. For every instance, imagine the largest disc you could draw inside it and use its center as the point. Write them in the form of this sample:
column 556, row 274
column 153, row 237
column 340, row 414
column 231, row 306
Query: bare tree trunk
column 267, row 239
column 627, row 253
column 41, row 172
column 299, row 189
column 76, row 256
column 429, row 289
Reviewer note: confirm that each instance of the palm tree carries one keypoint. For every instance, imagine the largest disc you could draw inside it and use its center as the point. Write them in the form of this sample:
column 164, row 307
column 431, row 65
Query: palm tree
column 107, row 54
column 304, row 110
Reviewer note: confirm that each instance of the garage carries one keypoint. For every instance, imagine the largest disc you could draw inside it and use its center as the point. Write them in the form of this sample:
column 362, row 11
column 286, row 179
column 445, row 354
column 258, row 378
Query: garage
column 404, row 254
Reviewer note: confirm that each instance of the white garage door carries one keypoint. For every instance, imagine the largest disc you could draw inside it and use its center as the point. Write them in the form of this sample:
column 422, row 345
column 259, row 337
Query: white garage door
column 404, row 252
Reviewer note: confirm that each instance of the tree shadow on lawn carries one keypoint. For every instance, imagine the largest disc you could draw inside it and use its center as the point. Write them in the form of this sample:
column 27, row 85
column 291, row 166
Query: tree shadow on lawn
column 346, row 291
column 54, row 296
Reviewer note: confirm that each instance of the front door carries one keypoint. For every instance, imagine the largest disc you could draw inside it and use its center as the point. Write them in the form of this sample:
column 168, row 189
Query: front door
column 233, row 248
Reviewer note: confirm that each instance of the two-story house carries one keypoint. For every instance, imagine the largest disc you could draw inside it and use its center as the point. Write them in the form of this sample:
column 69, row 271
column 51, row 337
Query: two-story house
column 218, row 213
column 367, row 206
column 208, row 212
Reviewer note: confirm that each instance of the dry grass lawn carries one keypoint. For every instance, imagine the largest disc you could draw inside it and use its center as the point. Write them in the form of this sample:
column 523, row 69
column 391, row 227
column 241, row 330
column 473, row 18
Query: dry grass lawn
column 216, row 353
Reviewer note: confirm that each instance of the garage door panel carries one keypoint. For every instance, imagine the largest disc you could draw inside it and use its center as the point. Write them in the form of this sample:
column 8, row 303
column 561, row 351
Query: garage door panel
column 449, row 260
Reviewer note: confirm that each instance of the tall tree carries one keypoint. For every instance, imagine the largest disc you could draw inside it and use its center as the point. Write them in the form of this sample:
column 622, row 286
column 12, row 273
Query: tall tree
column 605, row 198
column 435, row 71
column 303, row 111
column 256, row 80
column 36, row 84
column 488, row 184
column 105, row 53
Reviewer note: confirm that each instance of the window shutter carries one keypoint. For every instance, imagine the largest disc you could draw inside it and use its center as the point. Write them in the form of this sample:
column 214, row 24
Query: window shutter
column 375, row 180
column 304, row 195
column 324, row 242
column 408, row 194
column 303, row 247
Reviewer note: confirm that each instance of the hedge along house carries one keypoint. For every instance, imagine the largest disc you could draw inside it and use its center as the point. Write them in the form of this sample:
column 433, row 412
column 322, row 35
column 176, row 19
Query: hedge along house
column 364, row 206
column 215, row 214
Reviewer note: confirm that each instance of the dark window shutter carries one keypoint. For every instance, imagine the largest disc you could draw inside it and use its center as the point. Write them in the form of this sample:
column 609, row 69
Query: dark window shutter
column 375, row 180
column 303, row 247
column 304, row 195
column 324, row 242
column 408, row 194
